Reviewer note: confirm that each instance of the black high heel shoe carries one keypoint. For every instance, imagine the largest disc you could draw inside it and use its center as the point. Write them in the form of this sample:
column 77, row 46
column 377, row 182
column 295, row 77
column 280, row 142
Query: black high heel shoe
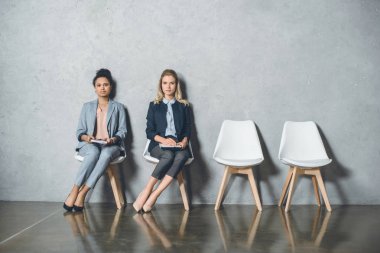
column 78, row 208
column 67, row 208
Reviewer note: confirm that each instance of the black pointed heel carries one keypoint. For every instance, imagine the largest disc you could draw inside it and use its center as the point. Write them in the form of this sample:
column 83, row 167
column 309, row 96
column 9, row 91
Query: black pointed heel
column 78, row 208
column 68, row 208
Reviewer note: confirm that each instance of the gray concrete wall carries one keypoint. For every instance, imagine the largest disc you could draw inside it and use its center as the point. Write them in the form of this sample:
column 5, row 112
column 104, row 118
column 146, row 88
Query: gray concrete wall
column 268, row 61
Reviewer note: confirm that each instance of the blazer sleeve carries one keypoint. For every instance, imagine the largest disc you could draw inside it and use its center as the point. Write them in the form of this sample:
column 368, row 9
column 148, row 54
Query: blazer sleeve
column 187, row 125
column 82, row 126
column 122, row 124
column 151, row 130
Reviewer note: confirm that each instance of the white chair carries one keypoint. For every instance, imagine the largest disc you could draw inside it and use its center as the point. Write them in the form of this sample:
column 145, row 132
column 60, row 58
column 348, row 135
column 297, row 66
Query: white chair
column 113, row 176
column 302, row 150
column 180, row 179
column 238, row 148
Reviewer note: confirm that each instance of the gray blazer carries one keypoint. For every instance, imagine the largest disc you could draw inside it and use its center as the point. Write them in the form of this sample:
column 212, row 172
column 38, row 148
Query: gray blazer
column 116, row 122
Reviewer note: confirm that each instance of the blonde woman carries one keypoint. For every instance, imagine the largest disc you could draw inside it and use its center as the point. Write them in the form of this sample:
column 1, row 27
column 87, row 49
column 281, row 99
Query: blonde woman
column 168, row 128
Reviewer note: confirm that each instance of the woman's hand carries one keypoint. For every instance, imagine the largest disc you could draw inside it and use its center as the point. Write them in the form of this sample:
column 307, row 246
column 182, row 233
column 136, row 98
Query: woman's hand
column 165, row 141
column 168, row 142
column 87, row 138
column 110, row 141
column 183, row 143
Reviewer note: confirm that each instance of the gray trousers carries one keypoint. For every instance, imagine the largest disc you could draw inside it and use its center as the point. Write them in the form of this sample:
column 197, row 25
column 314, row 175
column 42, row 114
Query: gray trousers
column 171, row 162
column 95, row 162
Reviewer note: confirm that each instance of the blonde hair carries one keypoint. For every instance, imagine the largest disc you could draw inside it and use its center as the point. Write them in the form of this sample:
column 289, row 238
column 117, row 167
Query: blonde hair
column 178, row 91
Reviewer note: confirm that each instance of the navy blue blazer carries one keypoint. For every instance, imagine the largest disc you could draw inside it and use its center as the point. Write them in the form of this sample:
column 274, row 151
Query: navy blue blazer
column 156, row 121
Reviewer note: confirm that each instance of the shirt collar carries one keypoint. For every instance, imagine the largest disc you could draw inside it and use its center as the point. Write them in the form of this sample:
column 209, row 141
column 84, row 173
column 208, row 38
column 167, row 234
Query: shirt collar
column 166, row 101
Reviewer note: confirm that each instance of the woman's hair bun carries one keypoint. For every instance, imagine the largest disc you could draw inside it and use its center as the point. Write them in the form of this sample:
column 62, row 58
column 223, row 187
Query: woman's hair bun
column 103, row 73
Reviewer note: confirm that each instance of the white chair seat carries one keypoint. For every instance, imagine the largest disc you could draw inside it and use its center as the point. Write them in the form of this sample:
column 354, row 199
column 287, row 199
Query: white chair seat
column 306, row 163
column 116, row 160
column 240, row 162
column 152, row 159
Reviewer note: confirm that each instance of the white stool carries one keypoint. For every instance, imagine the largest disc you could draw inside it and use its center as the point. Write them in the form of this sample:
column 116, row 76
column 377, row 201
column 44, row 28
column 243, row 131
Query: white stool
column 180, row 179
column 113, row 175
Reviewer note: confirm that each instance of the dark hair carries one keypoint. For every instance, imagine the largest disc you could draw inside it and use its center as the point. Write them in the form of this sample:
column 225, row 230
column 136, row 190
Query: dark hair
column 103, row 73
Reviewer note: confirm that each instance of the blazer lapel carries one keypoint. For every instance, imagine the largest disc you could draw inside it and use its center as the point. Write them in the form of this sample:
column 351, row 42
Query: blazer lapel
column 176, row 117
column 91, row 120
column 111, row 108
column 162, row 109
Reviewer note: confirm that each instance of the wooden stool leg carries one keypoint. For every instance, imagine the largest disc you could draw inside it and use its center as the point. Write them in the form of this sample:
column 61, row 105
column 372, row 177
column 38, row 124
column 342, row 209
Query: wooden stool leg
column 223, row 186
column 316, row 191
column 323, row 190
column 182, row 189
column 115, row 184
column 291, row 188
column 255, row 192
column 285, row 187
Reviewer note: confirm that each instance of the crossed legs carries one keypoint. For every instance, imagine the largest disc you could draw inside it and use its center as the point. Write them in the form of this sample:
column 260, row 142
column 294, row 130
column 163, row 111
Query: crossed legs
column 170, row 164
column 95, row 162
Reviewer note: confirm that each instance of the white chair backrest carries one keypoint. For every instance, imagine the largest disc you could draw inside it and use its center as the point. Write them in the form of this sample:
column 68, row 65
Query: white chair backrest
column 152, row 159
column 301, row 141
column 238, row 140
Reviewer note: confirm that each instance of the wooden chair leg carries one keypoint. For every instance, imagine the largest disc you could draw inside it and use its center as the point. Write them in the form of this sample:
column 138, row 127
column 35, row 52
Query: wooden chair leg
column 115, row 224
column 290, row 230
column 323, row 190
column 316, row 191
column 253, row 228
column 115, row 184
column 182, row 227
column 286, row 186
column 322, row 230
column 223, row 186
column 291, row 188
column 222, row 229
column 255, row 192
column 119, row 188
column 317, row 217
column 182, row 189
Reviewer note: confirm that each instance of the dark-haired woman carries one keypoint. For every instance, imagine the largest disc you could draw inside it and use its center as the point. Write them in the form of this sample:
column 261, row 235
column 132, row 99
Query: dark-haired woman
column 168, row 128
column 101, row 120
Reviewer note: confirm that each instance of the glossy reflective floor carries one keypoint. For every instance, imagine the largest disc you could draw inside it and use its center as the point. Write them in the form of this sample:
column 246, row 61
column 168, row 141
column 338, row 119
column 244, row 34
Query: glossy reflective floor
column 45, row 227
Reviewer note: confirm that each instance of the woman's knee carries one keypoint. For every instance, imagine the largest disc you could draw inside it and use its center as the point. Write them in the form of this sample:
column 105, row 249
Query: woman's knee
column 183, row 155
column 109, row 152
column 167, row 155
column 90, row 152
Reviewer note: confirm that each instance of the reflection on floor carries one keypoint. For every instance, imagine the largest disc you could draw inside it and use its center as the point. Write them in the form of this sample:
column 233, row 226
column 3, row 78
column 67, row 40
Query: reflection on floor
column 317, row 233
column 45, row 227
